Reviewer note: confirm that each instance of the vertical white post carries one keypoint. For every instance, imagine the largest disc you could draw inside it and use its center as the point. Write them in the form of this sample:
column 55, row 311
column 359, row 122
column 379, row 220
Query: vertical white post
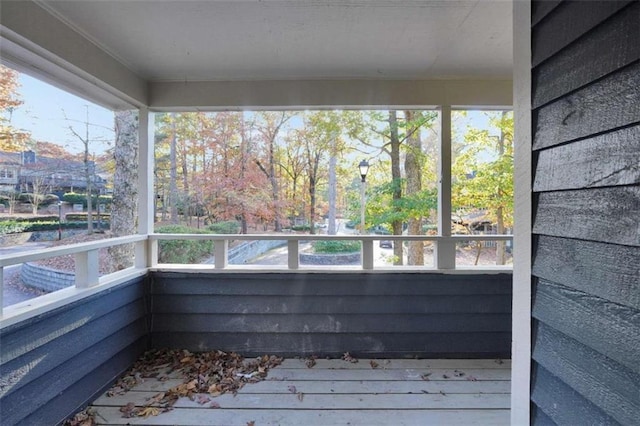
column 521, row 304
column 145, row 255
column 220, row 253
column 367, row 254
column 87, row 269
column 293, row 257
column 445, row 249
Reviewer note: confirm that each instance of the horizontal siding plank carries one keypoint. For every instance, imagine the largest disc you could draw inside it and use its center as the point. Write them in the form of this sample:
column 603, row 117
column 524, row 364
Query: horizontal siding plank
column 29, row 335
column 326, row 304
column 609, row 271
column 34, row 364
column 394, row 345
column 564, row 405
column 593, row 321
column 602, row 51
column 607, row 215
column 333, row 323
column 610, row 159
column 314, row 401
column 567, row 23
column 88, row 388
column 331, row 284
column 612, row 387
column 223, row 417
column 541, row 8
column 18, row 405
column 608, row 104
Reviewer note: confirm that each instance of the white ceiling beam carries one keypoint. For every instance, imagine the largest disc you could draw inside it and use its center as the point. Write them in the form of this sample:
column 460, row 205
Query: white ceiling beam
column 299, row 94
column 29, row 31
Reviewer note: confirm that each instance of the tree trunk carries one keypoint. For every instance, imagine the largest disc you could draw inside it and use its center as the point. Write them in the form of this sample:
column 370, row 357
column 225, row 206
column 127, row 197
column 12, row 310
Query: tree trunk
column 312, row 207
column 500, row 245
column 500, row 252
column 332, row 194
column 173, row 173
column 396, row 225
column 412, row 168
column 124, row 206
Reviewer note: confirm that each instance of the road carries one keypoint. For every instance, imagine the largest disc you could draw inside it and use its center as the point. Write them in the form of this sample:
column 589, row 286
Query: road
column 12, row 290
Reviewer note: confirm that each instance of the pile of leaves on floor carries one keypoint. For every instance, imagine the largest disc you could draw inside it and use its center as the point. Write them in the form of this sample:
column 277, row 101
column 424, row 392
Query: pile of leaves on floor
column 204, row 375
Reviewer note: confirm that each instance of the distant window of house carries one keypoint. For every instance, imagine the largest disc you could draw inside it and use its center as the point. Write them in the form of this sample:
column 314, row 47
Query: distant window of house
column 6, row 174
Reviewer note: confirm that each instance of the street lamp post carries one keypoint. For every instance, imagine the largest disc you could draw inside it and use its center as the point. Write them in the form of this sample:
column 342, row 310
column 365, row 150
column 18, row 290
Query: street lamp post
column 364, row 168
column 59, row 220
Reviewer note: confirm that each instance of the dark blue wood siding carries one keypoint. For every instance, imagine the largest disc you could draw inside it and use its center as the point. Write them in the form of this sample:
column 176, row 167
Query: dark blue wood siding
column 54, row 364
column 586, row 142
column 327, row 314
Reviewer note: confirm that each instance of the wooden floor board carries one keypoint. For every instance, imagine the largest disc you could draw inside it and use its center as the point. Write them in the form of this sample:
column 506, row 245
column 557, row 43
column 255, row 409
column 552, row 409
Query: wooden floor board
column 224, row 417
column 336, row 392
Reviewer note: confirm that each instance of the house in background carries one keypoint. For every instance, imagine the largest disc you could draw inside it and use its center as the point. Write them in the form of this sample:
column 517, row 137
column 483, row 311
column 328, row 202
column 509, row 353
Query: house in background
column 21, row 171
column 575, row 292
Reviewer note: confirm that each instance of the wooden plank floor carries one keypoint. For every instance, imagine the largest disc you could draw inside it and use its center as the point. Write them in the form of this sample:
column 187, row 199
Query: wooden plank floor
column 337, row 392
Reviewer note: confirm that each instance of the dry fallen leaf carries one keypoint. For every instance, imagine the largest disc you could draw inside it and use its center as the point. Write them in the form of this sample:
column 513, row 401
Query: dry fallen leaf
column 292, row 389
column 472, row 379
column 499, row 361
column 347, row 357
column 458, row 373
column 373, row 364
column 214, row 405
column 444, row 376
column 128, row 410
column 425, row 376
column 300, row 396
column 251, row 423
column 213, row 373
column 148, row 412
column 310, row 362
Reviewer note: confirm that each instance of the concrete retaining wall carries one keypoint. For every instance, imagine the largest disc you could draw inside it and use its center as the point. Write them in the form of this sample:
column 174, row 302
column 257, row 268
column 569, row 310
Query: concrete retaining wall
column 44, row 278
column 330, row 259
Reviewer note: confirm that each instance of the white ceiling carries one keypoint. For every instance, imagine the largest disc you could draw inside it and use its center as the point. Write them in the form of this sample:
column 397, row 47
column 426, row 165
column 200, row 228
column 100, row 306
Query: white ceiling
column 306, row 39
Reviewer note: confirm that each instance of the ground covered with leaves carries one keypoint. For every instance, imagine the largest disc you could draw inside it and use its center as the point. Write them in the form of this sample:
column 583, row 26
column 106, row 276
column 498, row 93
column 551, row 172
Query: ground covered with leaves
column 204, row 375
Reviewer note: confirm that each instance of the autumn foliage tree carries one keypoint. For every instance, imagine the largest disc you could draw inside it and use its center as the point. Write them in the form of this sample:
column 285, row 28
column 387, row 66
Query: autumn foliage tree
column 11, row 139
column 483, row 175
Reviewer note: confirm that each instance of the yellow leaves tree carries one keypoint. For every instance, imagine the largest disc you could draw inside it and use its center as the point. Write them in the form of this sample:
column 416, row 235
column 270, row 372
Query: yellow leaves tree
column 483, row 175
column 11, row 139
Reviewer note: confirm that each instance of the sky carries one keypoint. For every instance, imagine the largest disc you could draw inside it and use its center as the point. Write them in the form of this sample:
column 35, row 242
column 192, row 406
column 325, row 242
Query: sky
column 43, row 114
column 48, row 112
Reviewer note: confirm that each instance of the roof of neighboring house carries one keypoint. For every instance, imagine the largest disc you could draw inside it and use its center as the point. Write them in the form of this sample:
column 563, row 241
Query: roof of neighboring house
column 13, row 158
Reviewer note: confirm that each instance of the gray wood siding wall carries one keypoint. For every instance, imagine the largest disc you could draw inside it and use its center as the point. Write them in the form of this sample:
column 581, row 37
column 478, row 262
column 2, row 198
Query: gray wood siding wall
column 54, row 364
column 586, row 143
column 327, row 314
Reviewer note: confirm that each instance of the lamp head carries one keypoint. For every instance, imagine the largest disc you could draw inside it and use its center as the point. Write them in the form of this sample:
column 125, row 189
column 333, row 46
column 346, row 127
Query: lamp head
column 364, row 169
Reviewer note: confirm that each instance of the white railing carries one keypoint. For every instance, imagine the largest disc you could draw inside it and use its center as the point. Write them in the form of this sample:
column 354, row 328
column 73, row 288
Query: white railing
column 87, row 273
column 87, row 265
column 221, row 246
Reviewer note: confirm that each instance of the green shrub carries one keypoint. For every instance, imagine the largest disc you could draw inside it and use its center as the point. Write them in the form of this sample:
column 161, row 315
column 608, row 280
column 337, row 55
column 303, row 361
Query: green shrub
column 11, row 227
column 30, row 219
column 183, row 251
column 228, row 227
column 300, row 228
column 336, row 246
column 77, row 217
column 53, row 226
column 75, row 198
column 15, row 227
